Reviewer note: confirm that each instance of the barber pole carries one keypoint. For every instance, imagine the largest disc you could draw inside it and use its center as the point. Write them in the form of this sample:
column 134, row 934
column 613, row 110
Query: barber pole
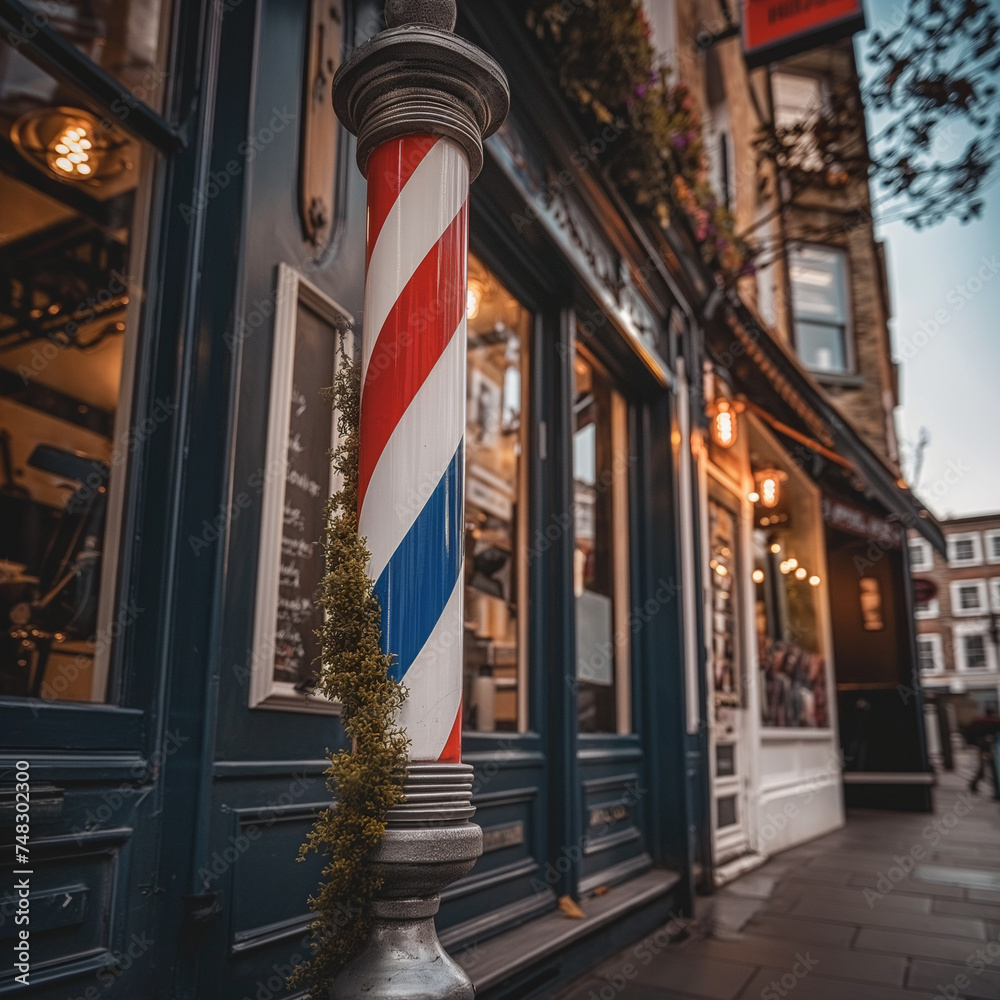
column 421, row 100
column 411, row 462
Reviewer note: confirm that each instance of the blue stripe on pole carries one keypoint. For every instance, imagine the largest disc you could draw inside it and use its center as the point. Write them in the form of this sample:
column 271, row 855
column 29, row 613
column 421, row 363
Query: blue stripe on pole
column 414, row 587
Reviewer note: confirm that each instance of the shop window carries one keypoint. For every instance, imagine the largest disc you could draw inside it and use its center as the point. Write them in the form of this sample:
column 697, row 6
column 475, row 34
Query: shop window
column 496, row 491
column 600, row 557
column 972, row 652
column 929, row 653
column 965, row 549
column 788, row 583
column 72, row 187
column 121, row 36
column 968, row 597
column 818, row 278
column 723, row 572
column 921, row 555
column 992, row 546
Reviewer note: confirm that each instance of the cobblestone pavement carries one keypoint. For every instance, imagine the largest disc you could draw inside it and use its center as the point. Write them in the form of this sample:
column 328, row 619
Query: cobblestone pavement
column 894, row 906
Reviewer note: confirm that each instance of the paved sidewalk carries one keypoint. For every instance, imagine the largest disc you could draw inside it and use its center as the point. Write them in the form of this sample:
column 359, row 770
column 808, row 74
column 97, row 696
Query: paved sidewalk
column 895, row 906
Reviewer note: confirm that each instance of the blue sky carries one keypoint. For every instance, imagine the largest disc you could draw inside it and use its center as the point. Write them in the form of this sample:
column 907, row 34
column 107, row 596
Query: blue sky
column 945, row 289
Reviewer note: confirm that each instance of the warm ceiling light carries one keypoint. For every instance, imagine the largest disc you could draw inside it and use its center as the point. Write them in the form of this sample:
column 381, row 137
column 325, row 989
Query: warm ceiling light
column 775, row 547
column 784, row 567
column 723, row 413
column 758, row 576
column 753, row 497
column 800, row 573
column 792, row 563
column 814, row 581
column 69, row 143
column 472, row 302
column 769, row 486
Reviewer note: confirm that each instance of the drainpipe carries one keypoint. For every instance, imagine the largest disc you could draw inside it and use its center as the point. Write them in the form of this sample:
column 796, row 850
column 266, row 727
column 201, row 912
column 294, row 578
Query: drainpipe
column 421, row 100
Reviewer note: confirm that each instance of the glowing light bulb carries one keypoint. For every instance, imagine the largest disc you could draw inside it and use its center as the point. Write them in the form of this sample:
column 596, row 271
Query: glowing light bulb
column 800, row 573
column 758, row 576
column 814, row 581
column 775, row 547
column 753, row 497
column 792, row 563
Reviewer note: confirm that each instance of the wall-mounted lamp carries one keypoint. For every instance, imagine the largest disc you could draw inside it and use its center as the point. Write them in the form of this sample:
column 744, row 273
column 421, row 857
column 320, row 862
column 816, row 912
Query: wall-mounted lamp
column 70, row 144
column 723, row 414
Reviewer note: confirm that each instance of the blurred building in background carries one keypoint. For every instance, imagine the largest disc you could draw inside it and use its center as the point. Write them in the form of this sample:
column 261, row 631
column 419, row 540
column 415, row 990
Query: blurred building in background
column 687, row 608
column 958, row 615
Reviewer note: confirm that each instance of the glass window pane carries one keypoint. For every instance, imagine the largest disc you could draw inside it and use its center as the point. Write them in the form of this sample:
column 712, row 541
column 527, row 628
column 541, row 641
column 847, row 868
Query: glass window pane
column 600, row 558
column 495, row 689
column 69, row 300
column 817, row 276
column 821, row 347
column 124, row 37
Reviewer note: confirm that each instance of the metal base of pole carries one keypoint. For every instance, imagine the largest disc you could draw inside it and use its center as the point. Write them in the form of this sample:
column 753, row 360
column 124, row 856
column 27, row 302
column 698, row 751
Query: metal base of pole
column 429, row 843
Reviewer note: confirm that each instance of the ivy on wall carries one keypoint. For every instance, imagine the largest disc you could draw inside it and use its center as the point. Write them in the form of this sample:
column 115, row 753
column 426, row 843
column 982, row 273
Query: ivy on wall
column 606, row 63
column 366, row 780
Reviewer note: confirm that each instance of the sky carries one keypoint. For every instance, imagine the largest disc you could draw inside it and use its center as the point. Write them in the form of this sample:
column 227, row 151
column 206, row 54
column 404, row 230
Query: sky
column 945, row 290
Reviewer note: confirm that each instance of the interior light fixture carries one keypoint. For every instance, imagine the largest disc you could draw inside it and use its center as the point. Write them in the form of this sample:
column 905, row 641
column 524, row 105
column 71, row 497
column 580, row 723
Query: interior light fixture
column 70, row 144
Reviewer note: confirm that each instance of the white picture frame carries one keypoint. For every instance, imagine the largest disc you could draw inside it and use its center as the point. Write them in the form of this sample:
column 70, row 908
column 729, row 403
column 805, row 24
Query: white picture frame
column 293, row 290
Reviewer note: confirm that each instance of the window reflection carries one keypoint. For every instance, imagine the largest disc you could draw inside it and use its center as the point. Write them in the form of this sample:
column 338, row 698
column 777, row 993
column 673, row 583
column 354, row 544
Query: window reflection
column 67, row 305
column 122, row 36
column 495, row 507
column 600, row 556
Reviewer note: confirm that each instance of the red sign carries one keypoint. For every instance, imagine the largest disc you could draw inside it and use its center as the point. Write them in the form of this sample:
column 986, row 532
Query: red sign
column 775, row 29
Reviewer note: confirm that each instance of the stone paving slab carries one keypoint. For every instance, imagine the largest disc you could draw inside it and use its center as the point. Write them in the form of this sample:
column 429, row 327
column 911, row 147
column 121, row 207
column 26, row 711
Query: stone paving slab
column 895, row 906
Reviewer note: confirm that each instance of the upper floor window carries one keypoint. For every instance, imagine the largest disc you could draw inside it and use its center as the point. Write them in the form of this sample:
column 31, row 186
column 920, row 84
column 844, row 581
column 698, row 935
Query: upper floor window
column 965, row 549
column 993, row 546
column 921, row 555
column 929, row 653
column 818, row 276
column 927, row 609
column 972, row 652
column 968, row 597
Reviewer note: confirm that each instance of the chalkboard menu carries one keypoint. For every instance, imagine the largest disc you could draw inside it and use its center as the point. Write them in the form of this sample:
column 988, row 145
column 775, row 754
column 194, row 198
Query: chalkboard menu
column 301, row 432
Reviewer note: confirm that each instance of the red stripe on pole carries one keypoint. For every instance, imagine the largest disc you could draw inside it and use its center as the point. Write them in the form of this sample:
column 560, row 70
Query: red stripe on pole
column 413, row 338
column 389, row 168
column 452, row 752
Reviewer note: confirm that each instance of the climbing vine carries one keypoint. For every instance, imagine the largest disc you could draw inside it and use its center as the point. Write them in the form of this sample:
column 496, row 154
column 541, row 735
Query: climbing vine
column 366, row 780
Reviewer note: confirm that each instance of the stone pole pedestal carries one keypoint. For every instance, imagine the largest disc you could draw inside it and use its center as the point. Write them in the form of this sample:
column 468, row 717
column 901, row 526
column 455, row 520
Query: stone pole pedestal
column 420, row 100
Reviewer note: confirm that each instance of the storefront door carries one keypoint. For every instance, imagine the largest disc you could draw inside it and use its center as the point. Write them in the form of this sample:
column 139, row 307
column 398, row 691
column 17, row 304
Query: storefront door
column 726, row 661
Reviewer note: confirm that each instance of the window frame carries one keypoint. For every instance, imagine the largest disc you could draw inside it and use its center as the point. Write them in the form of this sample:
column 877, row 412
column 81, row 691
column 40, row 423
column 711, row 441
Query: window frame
column 161, row 143
column 622, row 534
column 961, row 658
column 937, row 652
column 955, row 588
column 926, row 562
column 847, row 327
column 977, row 549
column 989, row 537
column 933, row 609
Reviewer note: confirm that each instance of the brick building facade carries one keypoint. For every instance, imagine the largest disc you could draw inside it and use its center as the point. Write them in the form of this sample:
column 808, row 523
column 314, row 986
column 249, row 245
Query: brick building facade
column 957, row 640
